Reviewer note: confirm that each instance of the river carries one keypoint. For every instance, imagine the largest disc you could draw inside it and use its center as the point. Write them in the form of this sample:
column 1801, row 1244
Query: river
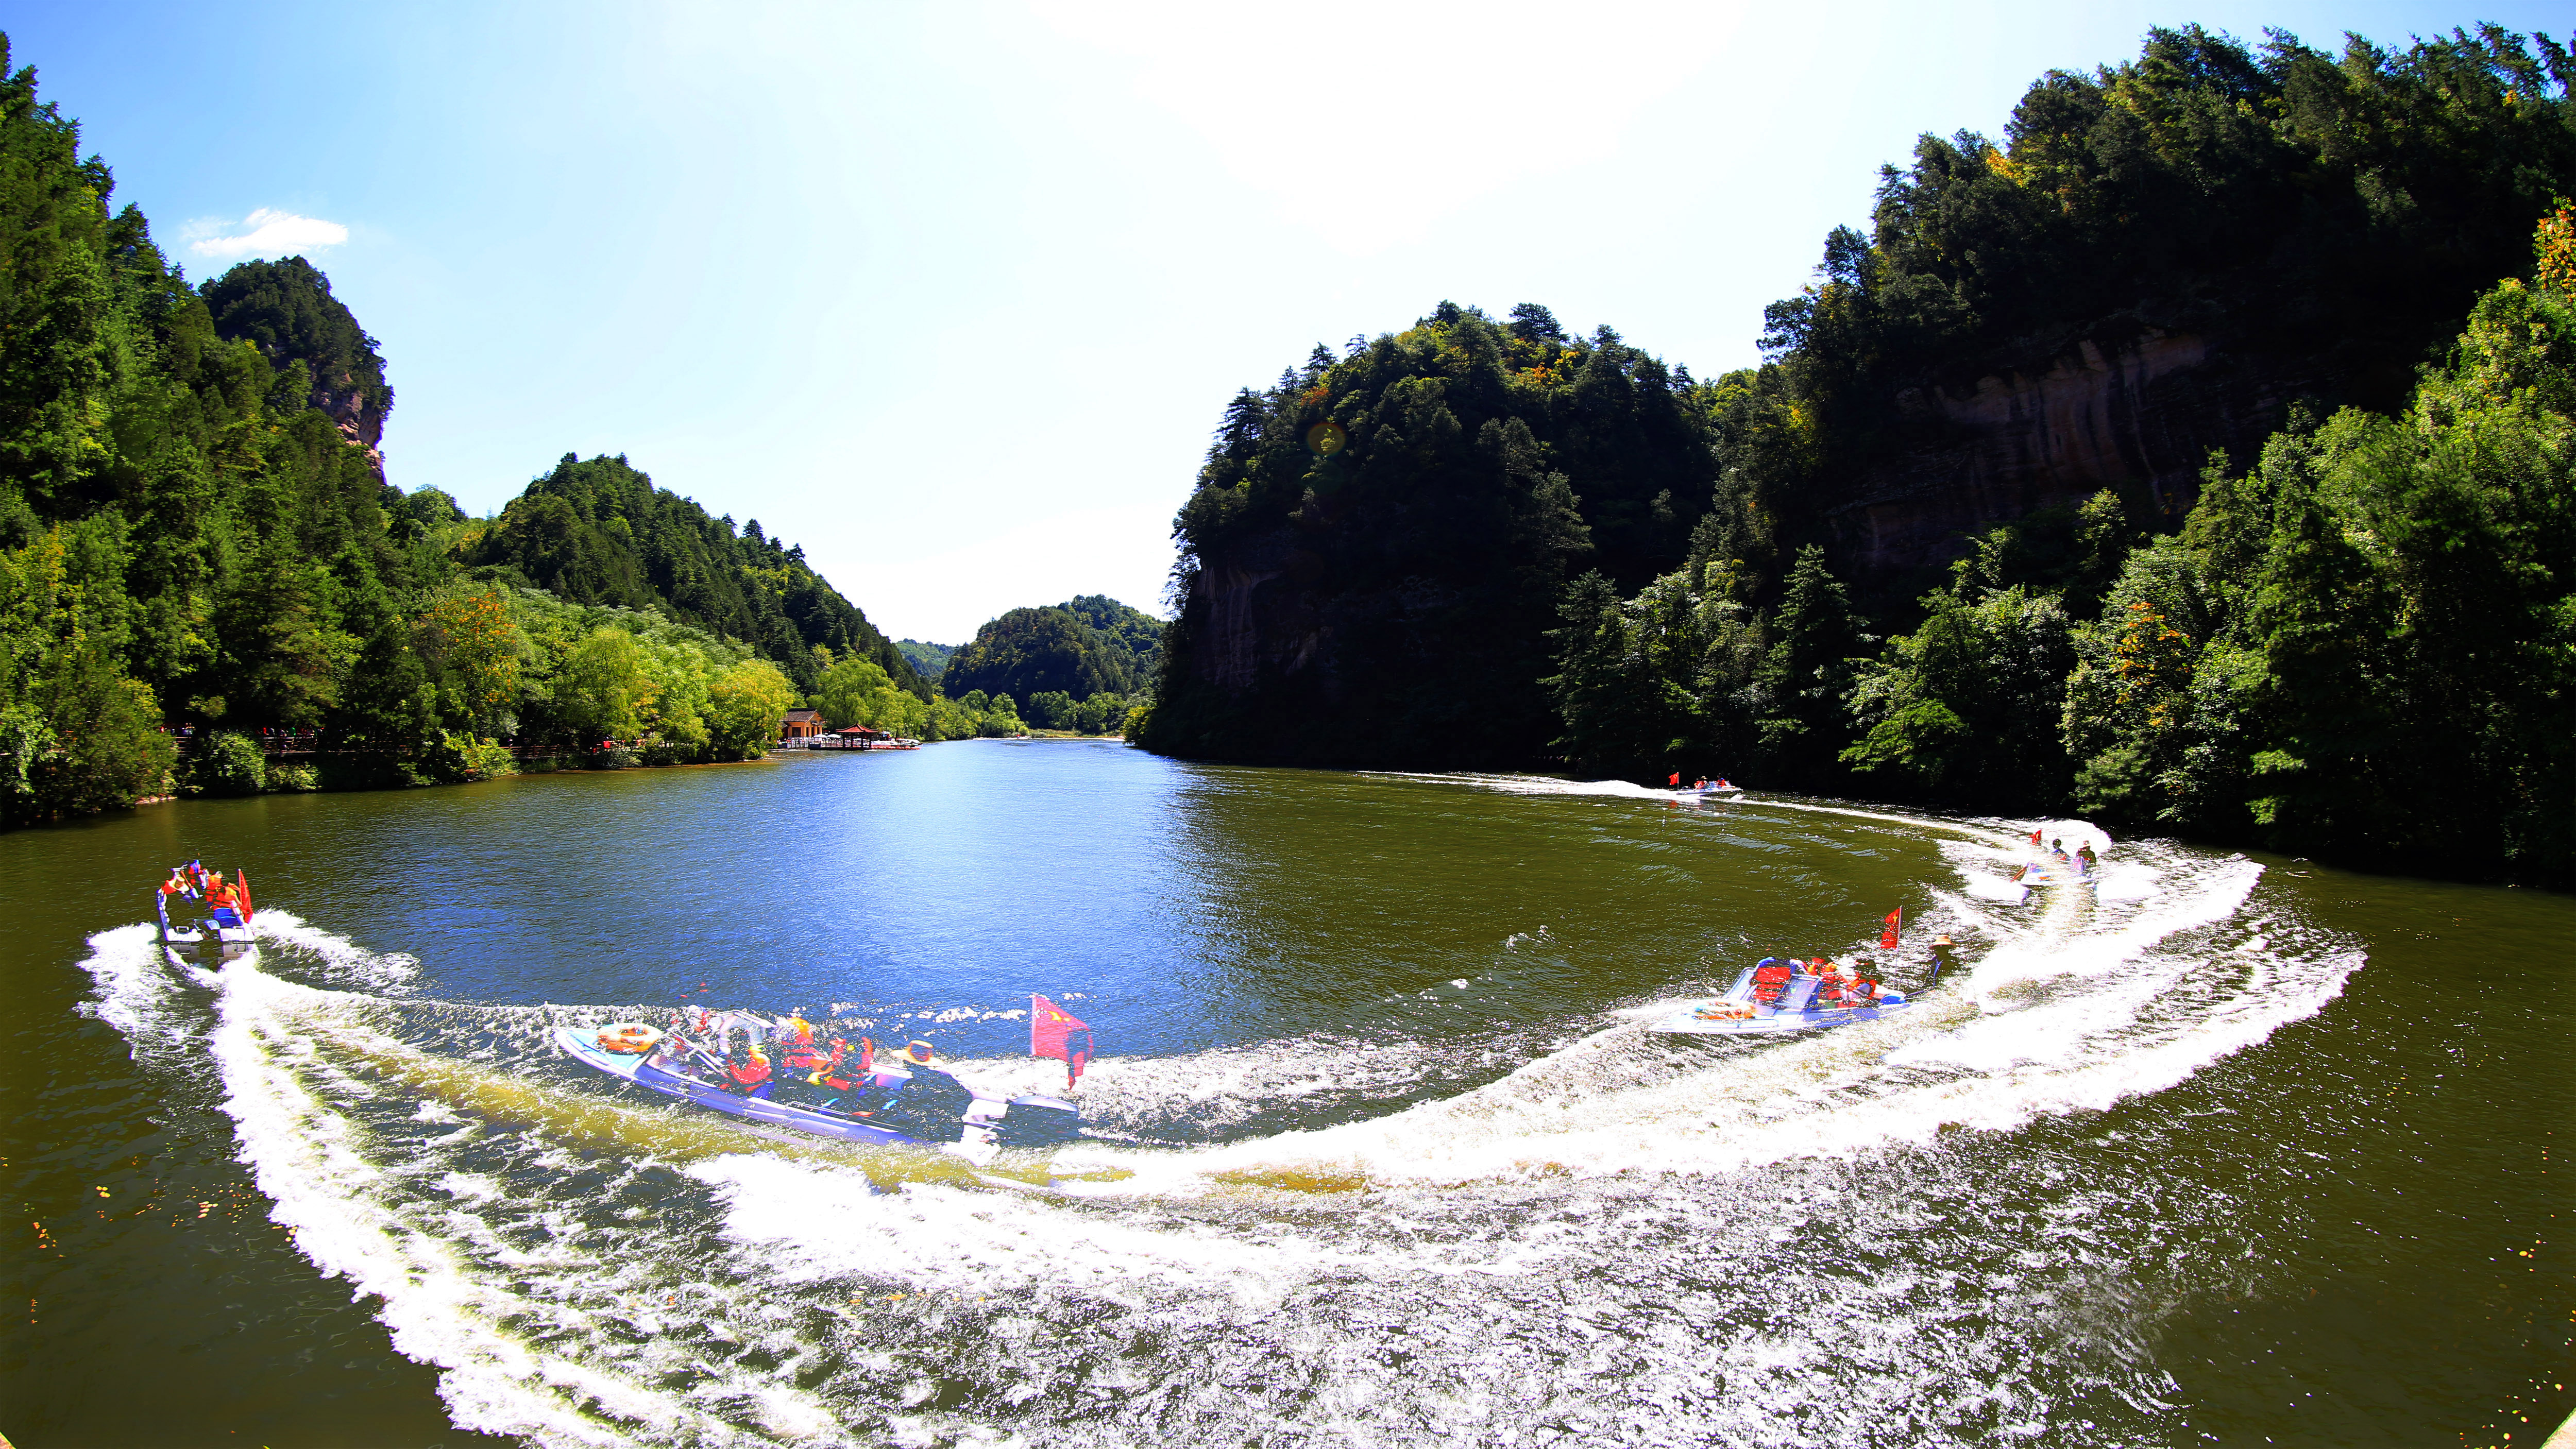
column 2220, row 1150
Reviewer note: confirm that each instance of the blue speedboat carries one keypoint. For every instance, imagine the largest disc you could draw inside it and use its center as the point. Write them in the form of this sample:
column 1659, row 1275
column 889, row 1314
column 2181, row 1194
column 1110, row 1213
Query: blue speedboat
column 898, row 1099
column 1784, row 998
column 225, row 921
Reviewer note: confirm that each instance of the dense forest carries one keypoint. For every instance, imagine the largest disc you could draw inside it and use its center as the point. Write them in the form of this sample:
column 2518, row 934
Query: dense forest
column 2299, row 574
column 198, row 545
column 928, row 659
column 599, row 532
column 1075, row 664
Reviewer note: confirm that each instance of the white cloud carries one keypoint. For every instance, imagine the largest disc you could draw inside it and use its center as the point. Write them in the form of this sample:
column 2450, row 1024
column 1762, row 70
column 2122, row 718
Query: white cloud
column 1369, row 121
column 271, row 233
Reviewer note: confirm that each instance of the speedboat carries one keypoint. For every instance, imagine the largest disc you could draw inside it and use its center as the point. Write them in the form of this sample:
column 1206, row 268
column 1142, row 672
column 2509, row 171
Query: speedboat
column 1782, row 999
column 891, row 1100
column 226, row 922
column 1713, row 790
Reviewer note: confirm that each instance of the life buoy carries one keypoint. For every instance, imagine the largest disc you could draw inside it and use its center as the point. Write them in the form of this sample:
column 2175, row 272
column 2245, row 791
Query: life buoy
column 917, row 1053
column 630, row 1038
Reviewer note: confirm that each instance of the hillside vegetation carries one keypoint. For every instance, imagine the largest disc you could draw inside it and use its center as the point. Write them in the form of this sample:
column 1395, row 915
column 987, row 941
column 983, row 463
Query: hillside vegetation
column 1073, row 665
column 196, row 533
column 1482, row 542
column 599, row 532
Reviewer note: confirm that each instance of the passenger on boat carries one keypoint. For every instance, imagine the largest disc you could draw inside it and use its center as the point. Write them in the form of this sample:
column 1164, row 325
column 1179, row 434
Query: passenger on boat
column 1863, row 990
column 747, row 1074
column 1833, row 986
column 832, row 1075
column 799, row 1051
column 2084, row 854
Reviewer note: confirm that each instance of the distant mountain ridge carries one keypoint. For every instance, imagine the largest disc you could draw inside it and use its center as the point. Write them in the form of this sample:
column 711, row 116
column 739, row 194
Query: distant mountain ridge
column 1087, row 645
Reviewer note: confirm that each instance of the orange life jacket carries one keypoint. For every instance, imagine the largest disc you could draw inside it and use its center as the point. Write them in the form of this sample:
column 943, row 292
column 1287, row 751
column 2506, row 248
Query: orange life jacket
column 829, row 1074
column 749, row 1073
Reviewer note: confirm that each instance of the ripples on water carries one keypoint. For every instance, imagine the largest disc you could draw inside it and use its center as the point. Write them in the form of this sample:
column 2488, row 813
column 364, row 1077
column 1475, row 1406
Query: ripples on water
column 1502, row 1233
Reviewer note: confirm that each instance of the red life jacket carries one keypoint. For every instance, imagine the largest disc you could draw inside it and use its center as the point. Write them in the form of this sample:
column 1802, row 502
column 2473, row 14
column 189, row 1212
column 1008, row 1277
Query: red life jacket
column 751, row 1073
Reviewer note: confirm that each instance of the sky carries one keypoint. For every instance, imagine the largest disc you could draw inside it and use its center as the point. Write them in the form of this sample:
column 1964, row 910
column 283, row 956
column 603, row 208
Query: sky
column 953, row 294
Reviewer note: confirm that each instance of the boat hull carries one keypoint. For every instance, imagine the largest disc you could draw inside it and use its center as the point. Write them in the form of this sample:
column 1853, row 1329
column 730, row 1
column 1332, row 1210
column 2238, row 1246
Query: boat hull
column 579, row 1045
column 1689, row 1023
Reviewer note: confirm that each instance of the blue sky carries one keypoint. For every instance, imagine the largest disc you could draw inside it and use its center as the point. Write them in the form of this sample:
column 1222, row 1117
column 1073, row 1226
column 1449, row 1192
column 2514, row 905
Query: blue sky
column 953, row 294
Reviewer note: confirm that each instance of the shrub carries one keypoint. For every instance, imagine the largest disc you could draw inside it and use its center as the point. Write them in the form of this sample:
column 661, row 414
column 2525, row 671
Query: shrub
column 227, row 762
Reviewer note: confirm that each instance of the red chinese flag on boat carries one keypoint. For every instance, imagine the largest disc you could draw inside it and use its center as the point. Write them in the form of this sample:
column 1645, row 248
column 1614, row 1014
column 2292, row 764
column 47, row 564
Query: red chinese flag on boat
column 1058, row 1033
column 1887, row 938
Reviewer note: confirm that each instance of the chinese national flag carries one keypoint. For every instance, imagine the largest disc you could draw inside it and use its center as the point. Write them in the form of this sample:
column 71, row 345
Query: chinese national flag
column 1887, row 938
column 1058, row 1033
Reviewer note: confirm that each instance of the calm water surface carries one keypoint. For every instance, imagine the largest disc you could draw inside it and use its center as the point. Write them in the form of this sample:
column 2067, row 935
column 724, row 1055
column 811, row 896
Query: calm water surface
column 2222, row 1151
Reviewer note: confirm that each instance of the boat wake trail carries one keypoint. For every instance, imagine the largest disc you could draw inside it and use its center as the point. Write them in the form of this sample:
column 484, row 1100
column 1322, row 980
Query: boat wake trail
column 1822, row 1239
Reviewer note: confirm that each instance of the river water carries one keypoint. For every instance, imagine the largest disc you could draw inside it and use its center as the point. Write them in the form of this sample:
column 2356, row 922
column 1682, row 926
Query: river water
column 2220, row 1150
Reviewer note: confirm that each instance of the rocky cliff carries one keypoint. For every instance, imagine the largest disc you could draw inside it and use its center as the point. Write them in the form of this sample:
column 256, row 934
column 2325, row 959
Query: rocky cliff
column 287, row 310
column 2139, row 419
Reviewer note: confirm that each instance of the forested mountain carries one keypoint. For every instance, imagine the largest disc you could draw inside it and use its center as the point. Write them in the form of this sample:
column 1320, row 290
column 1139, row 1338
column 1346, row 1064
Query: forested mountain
column 930, row 659
column 1083, row 647
column 1374, row 548
column 195, row 532
column 1961, row 539
column 287, row 310
column 599, row 532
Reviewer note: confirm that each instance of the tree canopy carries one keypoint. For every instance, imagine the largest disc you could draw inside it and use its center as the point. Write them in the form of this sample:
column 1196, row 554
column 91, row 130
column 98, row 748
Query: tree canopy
column 1086, row 646
column 597, row 531
column 196, row 533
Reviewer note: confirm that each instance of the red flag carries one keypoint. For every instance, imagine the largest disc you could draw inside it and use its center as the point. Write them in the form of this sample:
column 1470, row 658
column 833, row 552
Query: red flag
column 1055, row 1032
column 1677, row 779
column 1887, row 938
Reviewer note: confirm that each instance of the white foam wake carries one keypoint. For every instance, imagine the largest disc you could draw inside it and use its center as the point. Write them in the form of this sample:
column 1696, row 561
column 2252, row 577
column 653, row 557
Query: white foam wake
column 587, row 1270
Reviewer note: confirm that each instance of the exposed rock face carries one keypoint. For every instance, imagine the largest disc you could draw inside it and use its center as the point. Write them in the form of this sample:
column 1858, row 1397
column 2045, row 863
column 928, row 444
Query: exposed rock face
column 359, row 410
column 2140, row 419
column 1249, row 632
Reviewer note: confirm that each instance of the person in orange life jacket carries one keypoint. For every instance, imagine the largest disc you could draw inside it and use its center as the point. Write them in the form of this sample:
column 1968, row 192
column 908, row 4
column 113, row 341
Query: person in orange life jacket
column 800, row 1055
column 1832, row 986
column 1863, row 990
column 747, row 1074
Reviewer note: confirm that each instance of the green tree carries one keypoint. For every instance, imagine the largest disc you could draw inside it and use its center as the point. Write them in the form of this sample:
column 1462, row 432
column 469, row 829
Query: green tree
column 1809, row 671
column 745, row 704
column 603, row 692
